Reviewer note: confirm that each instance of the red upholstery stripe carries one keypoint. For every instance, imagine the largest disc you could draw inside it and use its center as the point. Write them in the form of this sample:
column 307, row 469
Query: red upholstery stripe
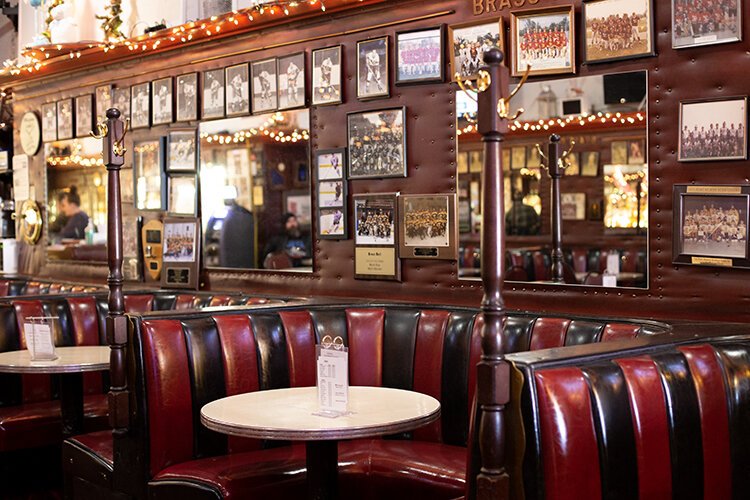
column 428, row 364
column 86, row 332
column 36, row 388
column 54, row 288
column 32, row 288
column 220, row 300
column 240, row 365
column 137, row 304
column 709, row 385
column 4, row 288
column 619, row 331
column 365, row 330
column 548, row 333
column 184, row 301
column 649, row 412
column 571, row 456
column 168, row 392
column 300, row 347
column 252, row 301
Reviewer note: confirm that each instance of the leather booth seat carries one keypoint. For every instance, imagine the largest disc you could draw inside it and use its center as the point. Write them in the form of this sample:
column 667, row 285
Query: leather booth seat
column 179, row 362
column 32, row 286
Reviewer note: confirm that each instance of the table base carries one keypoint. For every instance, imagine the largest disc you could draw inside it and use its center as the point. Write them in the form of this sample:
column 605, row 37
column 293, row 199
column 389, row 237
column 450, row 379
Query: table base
column 322, row 458
column 71, row 403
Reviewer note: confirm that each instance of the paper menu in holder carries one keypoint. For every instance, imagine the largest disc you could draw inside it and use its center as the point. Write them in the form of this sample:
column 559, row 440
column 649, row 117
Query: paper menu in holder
column 332, row 362
column 39, row 340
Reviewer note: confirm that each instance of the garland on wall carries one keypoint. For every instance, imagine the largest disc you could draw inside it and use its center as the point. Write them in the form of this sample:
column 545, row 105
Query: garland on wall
column 112, row 22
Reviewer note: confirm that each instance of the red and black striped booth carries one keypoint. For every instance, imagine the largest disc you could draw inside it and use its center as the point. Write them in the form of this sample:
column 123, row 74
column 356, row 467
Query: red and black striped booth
column 14, row 287
column 179, row 362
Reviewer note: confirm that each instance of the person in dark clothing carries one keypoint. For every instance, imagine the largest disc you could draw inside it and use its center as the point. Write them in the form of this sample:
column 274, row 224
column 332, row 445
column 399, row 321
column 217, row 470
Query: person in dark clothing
column 521, row 219
column 290, row 240
column 77, row 219
column 230, row 231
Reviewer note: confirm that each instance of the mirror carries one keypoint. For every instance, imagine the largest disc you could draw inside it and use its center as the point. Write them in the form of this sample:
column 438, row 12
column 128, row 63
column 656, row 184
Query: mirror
column 255, row 192
column 76, row 200
column 604, row 190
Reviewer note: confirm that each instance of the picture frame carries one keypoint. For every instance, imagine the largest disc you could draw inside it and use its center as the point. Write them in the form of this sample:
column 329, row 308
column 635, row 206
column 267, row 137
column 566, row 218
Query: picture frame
column 103, row 100
column 127, row 186
column 65, row 110
column 427, row 226
column 573, row 206
column 573, row 162
column 381, row 136
column 699, row 119
column 121, row 101
column 131, row 246
column 590, row 163
column 468, row 41
column 518, row 157
column 299, row 203
column 710, row 225
column 687, row 34
column 84, row 115
column 331, row 193
column 373, row 80
column 182, row 150
column 140, row 105
column 420, row 56
column 49, row 122
column 181, row 251
column 162, row 101
column 326, row 76
column 264, row 86
column 330, row 166
column 212, row 89
column 596, row 211
column 148, row 174
column 237, row 90
column 182, row 195
column 376, row 237
column 292, row 78
column 525, row 51
column 619, row 152
column 637, row 152
column 610, row 28
column 187, row 97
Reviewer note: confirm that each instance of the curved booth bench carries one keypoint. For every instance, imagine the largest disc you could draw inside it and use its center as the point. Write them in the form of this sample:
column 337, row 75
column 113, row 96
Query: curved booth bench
column 31, row 286
column 179, row 362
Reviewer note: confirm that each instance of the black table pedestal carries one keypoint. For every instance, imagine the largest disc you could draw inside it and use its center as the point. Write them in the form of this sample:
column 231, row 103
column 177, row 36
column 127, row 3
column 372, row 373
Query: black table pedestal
column 322, row 470
column 71, row 403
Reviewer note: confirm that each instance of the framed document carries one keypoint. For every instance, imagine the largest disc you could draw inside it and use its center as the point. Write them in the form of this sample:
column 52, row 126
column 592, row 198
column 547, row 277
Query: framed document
column 375, row 237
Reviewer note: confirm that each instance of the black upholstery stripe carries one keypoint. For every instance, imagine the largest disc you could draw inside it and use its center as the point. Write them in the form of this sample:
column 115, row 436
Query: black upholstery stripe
column 614, row 431
column 533, row 478
column 206, row 381
column 63, row 325
column 272, row 362
column 102, row 309
column 736, row 363
column 683, row 420
column 164, row 301
column 9, row 335
column 517, row 331
column 331, row 323
column 454, row 392
column 399, row 340
column 17, row 288
column 583, row 332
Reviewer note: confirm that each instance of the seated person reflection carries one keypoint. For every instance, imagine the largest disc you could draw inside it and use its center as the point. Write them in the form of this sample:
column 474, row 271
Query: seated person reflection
column 230, row 233
column 521, row 219
column 289, row 248
column 76, row 220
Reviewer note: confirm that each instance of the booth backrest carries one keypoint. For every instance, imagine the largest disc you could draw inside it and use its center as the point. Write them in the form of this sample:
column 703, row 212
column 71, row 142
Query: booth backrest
column 26, row 286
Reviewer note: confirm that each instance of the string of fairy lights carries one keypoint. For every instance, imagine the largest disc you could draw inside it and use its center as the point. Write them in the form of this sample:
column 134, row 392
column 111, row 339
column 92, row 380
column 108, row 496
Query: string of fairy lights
column 270, row 128
column 574, row 121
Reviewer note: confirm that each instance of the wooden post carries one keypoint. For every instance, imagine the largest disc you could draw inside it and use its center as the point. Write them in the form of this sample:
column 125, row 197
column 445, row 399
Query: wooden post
column 555, row 173
column 493, row 371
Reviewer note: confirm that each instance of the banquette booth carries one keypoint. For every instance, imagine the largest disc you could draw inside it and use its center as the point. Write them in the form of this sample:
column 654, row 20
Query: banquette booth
column 480, row 249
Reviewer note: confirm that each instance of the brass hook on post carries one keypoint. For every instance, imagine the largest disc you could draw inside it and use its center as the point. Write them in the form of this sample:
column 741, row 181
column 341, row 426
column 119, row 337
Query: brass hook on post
column 542, row 156
column 101, row 131
column 483, row 83
column 503, row 105
column 118, row 148
column 563, row 162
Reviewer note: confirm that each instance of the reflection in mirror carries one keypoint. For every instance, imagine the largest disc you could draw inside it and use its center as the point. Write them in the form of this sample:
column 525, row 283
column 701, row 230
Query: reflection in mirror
column 604, row 190
column 255, row 192
column 76, row 200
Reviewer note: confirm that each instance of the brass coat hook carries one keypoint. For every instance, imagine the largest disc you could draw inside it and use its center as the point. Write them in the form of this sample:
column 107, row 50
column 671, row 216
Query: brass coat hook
column 483, row 83
column 503, row 105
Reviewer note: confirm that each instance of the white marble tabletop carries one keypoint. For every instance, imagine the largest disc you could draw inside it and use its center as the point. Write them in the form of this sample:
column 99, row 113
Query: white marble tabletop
column 288, row 414
column 69, row 360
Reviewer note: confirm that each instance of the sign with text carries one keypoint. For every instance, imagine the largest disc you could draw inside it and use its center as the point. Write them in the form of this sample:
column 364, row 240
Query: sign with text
column 333, row 376
column 39, row 341
column 489, row 6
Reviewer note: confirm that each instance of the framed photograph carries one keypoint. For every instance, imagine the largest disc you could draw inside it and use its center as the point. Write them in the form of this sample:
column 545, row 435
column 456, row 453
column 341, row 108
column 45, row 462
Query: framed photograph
column 377, row 143
column 264, row 86
column 127, row 186
column 103, row 97
column 332, row 223
column 427, row 228
column 180, row 253
column 298, row 202
column 49, row 122
column 637, row 152
column 376, row 239
column 619, row 153
column 84, row 115
column 573, row 206
column 330, row 164
column 596, row 212
column 590, row 163
column 187, row 97
column 237, row 85
column 326, row 76
column 573, row 162
column 710, row 224
column 148, row 171
column 372, row 68
column 419, row 56
column 713, row 130
column 131, row 248
column 468, row 41
column 162, row 104
column 140, row 107
column 292, row 78
column 121, row 101
column 183, row 151
column 213, row 94
column 331, row 194
column 518, row 157
column 617, row 29
column 695, row 24
column 182, row 196
column 65, row 119
column 543, row 39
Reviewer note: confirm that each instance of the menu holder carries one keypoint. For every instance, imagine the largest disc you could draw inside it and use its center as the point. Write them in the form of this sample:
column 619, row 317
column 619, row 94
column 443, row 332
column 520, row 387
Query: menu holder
column 40, row 342
column 333, row 377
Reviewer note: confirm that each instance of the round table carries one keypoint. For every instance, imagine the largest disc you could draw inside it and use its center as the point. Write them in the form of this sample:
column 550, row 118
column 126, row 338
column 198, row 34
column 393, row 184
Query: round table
column 70, row 364
column 289, row 414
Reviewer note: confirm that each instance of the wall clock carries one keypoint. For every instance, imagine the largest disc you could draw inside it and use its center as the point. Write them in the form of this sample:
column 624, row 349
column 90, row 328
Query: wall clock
column 31, row 133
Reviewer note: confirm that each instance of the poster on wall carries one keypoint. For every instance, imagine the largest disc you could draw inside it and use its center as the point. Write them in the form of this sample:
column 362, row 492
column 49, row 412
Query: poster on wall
column 376, row 237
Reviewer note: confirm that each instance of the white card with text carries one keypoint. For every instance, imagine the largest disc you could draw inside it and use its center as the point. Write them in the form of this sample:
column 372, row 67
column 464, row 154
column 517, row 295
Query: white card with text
column 39, row 341
column 333, row 380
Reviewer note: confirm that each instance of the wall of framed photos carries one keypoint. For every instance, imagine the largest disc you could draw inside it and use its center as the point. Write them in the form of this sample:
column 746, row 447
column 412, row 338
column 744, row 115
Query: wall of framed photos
column 680, row 68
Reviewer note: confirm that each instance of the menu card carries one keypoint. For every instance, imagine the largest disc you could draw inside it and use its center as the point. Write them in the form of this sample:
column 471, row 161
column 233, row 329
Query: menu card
column 39, row 341
column 333, row 377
